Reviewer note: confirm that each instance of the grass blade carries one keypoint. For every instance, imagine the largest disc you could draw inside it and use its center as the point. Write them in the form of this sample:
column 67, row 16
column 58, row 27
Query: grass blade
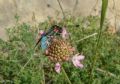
column 103, row 14
column 95, row 58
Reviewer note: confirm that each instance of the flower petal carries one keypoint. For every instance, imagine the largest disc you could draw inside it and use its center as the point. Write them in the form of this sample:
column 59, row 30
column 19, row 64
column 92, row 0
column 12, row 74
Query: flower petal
column 80, row 65
column 64, row 33
column 76, row 60
column 57, row 67
column 77, row 64
column 80, row 57
column 41, row 32
column 46, row 52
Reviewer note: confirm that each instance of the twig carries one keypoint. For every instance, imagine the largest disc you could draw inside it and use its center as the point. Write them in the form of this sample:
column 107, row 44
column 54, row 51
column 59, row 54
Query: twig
column 9, row 60
column 93, row 7
column 61, row 8
column 106, row 72
column 115, row 15
column 87, row 37
column 74, row 7
column 26, row 64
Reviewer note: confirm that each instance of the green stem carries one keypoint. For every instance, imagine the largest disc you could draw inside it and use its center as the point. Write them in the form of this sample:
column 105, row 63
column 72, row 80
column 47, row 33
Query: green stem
column 65, row 74
column 98, row 45
column 43, row 75
column 31, row 57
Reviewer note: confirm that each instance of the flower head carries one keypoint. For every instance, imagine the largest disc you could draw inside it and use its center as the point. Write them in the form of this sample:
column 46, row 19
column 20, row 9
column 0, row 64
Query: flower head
column 64, row 33
column 41, row 32
column 76, row 60
column 57, row 67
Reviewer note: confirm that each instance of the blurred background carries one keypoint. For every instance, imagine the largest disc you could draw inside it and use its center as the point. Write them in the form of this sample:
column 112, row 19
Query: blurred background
column 40, row 10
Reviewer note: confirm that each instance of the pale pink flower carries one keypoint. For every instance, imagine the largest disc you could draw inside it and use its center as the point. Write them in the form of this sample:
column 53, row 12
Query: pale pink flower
column 41, row 32
column 57, row 67
column 76, row 59
column 64, row 33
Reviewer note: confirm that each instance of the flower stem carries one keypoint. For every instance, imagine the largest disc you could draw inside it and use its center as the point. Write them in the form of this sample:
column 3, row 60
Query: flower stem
column 98, row 44
column 65, row 74
column 43, row 82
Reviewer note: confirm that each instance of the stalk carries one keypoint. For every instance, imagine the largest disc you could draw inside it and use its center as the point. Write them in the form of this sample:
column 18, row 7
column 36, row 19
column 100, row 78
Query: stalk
column 65, row 74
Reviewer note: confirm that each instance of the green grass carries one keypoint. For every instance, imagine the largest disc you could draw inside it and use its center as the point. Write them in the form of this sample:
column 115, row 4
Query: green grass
column 15, row 53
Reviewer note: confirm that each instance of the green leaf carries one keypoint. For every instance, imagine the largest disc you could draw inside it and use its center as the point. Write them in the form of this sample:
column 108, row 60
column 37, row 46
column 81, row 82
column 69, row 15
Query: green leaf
column 103, row 12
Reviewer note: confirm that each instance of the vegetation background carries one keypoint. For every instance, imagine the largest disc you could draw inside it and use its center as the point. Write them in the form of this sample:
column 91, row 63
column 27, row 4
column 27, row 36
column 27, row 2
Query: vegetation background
column 22, row 64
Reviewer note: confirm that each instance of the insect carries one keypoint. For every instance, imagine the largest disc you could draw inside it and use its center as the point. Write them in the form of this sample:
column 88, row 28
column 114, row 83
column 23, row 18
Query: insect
column 46, row 37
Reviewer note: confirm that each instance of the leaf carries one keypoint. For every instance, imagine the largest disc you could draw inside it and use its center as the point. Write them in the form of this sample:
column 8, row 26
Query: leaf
column 103, row 12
